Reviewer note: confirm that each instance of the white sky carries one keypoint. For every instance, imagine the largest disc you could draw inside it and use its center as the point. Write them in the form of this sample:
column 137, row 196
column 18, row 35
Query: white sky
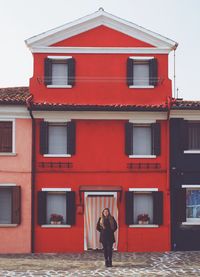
column 178, row 20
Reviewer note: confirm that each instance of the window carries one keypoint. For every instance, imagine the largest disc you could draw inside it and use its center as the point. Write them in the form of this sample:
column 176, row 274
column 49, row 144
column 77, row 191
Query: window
column 144, row 207
column 56, row 207
column 142, row 139
column 10, row 205
column 193, row 205
column 59, row 71
column 142, row 72
column 194, row 136
column 6, row 137
column 57, row 139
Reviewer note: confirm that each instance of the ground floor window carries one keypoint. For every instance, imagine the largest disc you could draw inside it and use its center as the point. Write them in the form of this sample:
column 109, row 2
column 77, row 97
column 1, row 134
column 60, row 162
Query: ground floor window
column 143, row 208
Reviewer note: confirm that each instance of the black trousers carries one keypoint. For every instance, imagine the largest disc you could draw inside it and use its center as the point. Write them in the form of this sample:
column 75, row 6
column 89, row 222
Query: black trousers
column 107, row 248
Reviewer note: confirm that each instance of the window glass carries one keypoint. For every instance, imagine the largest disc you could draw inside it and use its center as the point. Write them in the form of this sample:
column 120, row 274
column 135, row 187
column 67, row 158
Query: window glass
column 193, row 204
column 6, row 137
column 141, row 74
column 194, row 135
column 59, row 73
column 143, row 208
column 142, row 140
column 57, row 139
column 56, row 207
column 5, row 206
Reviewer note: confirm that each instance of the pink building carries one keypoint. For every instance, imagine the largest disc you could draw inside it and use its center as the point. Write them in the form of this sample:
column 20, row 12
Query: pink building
column 15, row 171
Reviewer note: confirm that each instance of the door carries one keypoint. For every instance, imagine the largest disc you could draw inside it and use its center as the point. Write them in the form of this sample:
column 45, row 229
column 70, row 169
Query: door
column 94, row 204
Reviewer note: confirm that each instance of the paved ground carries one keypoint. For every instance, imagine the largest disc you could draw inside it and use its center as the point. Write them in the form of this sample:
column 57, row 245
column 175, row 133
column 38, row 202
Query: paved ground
column 92, row 264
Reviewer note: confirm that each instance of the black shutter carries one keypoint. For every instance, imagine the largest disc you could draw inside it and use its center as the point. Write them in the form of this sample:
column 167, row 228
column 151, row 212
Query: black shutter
column 181, row 205
column 44, row 137
column 71, row 71
column 42, row 207
column 156, row 139
column 153, row 72
column 130, row 63
column 71, row 138
column 16, row 205
column 157, row 207
column 71, row 207
column 129, row 138
column 47, row 71
column 129, row 195
column 184, row 132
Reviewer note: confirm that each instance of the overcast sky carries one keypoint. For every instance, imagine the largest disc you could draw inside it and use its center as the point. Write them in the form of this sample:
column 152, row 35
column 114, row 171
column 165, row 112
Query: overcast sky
column 178, row 20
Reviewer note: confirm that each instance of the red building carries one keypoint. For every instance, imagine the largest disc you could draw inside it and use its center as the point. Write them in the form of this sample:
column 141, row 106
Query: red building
column 100, row 98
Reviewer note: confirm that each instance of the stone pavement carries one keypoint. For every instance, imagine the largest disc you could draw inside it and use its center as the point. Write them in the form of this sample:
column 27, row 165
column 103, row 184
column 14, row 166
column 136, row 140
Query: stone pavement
column 92, row 264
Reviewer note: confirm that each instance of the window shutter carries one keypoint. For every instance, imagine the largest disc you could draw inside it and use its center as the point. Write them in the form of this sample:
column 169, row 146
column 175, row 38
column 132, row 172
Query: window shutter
column 184, row 134
column 130, row 63
column 181, row 205
column 153, row 72
column 47, row 71
column 128, row 138
column 71, row 207
column 71, row 138
column 71, row 71
column 156, row 139
column 44, row 137
column 42, row 207
column 129, row 207
column 157, row 207
column 16, row 205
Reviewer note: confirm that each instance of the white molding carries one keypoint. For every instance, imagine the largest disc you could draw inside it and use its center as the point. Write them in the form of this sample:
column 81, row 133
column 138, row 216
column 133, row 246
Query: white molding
column 57, row 120
column 59, row 86
column 141, row 58
column 68, row 115
column 2, row 154
column 13, row 111
column 133, row 86
column 59, row 57
column 143, row 121
column 191, row 186
column 191, row 151
column 143, row 226
column 96, row 19
column 56, row 226
column 190, row 223
column 142, row 156
column 86, row 194
column 57, row 155
column 7, row 185
column 185, row 114
column 56, row 189
column 100, row 50
column 8, row 225
column 143, row 189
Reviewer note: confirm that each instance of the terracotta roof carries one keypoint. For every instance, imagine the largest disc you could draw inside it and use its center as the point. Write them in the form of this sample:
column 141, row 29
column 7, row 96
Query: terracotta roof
column 92, row 107
column 180, row 104
column 14, row 95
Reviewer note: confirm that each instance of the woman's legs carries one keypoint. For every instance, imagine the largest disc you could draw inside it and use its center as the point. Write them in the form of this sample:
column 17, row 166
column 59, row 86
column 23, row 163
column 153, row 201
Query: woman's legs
column 107, row 247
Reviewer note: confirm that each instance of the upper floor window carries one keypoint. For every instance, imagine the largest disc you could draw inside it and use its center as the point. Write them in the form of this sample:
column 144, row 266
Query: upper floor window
column 191, row 136
column 59, row 71
column 142, row 72
column 6, row 136
column 142, row 140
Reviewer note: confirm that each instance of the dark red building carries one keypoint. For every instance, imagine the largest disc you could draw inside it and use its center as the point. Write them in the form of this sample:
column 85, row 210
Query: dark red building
column 100, row 111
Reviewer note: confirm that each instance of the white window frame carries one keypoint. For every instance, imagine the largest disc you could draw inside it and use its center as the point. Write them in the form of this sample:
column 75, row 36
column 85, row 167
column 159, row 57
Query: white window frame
column 191, row 221
column 141, row 58
column 143, row 190
column 56, row 190
column 57, row 58
column 13, row 153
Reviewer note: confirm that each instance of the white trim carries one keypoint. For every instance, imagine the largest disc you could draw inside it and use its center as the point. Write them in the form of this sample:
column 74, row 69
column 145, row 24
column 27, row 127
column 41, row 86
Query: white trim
column 55, row 226
column 10, row 112
column 143, row 226
column 7, row 185
column 57, row 120
column 190, row 223
column 191, row 151
column 59, row 86
column 143, row 189
column 185, row 114
column 13, row 153
column 133, row 86
column 191, row 186
column 59, row 57
column 100, row 50
column 142, row 156
column 8, row 225
column 56, row 189
column 8, row 154
column 87, row 193
column 57, row 155
column 142, row 58
column 143, row 122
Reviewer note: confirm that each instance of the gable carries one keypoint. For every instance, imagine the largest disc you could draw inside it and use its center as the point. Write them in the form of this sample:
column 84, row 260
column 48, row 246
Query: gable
column 102, row 36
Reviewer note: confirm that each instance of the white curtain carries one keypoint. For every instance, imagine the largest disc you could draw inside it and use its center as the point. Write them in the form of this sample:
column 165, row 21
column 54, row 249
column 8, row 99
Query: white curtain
column 141, row 140
column 57, row 139
column 141, row 74
column 56, row 204
column 93, row 208
column 5, row 205
column 59, row 74
column 143, row 204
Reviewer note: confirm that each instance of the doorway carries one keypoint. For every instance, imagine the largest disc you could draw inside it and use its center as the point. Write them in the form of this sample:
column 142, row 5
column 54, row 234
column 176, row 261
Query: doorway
column 95, row 202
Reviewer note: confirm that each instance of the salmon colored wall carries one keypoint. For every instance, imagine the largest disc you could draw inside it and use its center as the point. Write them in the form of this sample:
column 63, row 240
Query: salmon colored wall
column 17, row 170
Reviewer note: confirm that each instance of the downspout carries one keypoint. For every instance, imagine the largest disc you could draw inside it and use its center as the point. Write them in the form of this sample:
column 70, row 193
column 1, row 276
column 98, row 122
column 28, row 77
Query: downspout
column 28, row 105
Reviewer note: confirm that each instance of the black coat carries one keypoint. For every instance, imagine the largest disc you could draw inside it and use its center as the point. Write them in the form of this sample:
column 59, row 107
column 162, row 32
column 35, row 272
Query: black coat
column 106, row 234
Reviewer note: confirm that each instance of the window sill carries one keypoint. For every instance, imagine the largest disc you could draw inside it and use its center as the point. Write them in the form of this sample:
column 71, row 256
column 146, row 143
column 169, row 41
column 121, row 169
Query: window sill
column 56, row 226
column 59, row 86
column 144, row 226
column 142, row 156
column 8, row 225
column 7, row 154
column 190, row 223
column 141, row 86
column 57, row 155
column 191, row 151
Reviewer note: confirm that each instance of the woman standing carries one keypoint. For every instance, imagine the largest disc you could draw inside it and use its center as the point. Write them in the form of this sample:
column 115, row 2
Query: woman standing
column 107, row 225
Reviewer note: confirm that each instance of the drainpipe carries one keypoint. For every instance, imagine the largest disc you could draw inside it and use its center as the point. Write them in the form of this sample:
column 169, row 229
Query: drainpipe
column 28, row 104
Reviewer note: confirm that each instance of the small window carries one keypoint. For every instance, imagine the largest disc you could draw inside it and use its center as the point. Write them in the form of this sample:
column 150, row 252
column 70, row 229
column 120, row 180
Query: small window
column 143, row 208
column 194, row 136
column 193, row 205
column 6, row 137
column 57, row 139
column 141, row 73
column 5, row 206
column 142, row 142
column 56, row 208
column 59, row 73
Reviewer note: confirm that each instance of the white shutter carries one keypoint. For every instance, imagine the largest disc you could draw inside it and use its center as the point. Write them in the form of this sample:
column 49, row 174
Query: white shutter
column 143, row 204
column 142, row 140
column 57, row 139
column 56, row 204
column 141, row 74
column 59, row 74
column 5, row 206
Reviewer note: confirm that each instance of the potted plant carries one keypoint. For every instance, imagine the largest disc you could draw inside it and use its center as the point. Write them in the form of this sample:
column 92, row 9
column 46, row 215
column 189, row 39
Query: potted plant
column 143, row 219
column 56, row 219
